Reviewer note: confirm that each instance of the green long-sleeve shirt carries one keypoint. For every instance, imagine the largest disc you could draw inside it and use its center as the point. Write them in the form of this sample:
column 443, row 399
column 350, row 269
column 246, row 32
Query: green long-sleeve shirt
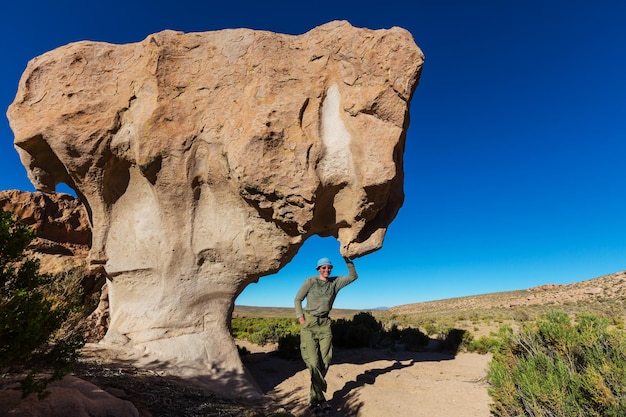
column 320, row 295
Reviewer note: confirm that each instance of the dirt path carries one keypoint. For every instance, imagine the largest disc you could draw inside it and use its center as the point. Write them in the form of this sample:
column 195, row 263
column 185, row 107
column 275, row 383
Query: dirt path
column 376, row 383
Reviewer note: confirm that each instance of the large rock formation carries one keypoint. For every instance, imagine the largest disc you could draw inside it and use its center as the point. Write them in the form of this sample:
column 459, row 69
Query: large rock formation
column 206, row 159
column 60, row 223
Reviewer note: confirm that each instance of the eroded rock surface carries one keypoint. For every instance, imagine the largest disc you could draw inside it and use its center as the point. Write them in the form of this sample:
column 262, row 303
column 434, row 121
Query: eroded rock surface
column 69, row 397
column 62, row 242
column 205, row 160
column 61, row 225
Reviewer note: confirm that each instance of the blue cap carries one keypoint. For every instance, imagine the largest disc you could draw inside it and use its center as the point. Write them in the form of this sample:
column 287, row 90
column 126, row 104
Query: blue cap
column 324, row 261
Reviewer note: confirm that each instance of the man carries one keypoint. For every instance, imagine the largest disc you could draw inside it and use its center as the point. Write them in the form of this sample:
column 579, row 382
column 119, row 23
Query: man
column 315, row 333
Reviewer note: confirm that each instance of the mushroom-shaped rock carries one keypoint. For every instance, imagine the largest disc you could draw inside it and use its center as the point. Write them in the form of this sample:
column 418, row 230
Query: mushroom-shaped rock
column 205, row 160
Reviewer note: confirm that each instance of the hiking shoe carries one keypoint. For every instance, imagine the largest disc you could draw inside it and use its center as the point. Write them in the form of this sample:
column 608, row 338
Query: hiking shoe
column 317, row 409
column 326, row 406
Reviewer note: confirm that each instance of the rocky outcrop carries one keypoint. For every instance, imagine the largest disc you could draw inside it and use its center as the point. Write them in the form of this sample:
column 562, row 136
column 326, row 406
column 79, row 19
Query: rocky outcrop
column 205, row 160
column 62, row 242
column 69, row 397
column 60, row 223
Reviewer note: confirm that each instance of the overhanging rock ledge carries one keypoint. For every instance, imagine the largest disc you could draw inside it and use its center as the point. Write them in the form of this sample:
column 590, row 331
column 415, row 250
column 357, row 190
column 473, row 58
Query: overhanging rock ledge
column 205, row 160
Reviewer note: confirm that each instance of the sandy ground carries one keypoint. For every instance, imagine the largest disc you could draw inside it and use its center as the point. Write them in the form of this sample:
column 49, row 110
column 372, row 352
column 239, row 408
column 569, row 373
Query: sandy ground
column 378, row 383
column 361, row 383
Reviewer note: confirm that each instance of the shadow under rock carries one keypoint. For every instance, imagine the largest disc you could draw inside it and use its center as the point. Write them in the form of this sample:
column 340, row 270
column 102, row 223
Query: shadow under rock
column 155, row 392
column 269, row 370
column 161, row 395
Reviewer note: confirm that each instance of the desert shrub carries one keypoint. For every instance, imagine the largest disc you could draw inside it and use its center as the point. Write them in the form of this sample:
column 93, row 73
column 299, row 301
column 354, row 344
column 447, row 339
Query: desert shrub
column 368, row 321
column 484, row 344
column 349, row 335
column 289, row 346
column 261, row 331
column 261, row 337
column 31, row 314
column 557, row 367
column 521, row 315
column 66, row 289
column 617, row 321
column 363, row 330
column 399, row 320
column 430, row 327
column 475, row 317
column 453, row 340
column 413, row 339
column 394, row 332
column 615, row 313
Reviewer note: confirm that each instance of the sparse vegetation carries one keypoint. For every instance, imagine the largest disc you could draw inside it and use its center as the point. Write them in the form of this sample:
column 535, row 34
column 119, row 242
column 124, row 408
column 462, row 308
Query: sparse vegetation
column 33, row 309
column 412, row 339
column 363, row 330
column 262, row 331
column 560, row 367
column 289, row 346
column 557, row 351
column 484, row 344
column 448, row 325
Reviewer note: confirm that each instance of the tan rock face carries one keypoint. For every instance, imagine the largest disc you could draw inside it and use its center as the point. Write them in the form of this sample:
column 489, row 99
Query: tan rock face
column 59, row 218
column 69, row 397
column 60, row 222
column 206, row 159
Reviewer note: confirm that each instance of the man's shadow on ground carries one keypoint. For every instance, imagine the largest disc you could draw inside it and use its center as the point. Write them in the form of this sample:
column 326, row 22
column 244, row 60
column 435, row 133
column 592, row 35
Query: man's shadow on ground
column 269, row 370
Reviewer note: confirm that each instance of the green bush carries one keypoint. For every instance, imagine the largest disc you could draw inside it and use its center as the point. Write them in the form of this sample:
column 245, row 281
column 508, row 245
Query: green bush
column 358, row 335
column 341, row 338
column 362, row 331
column 413, row 339
column 484, row 344
column 455, row 339
column 289, row 346
column 261, row 331
column 30, row 315
column 431, row 327
column 557, row 367
column 368, row 321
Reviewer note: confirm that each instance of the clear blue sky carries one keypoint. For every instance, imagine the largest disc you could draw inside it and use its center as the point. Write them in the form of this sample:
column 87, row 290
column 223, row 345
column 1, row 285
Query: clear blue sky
column 516, row 152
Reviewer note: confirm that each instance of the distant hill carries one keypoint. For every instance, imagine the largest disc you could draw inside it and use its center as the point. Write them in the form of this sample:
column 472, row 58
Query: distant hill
column 606, row 293
column 603, row 289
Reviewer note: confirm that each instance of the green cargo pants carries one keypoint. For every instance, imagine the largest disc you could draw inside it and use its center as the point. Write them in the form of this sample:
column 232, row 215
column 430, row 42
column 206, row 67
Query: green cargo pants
column 316, row 346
